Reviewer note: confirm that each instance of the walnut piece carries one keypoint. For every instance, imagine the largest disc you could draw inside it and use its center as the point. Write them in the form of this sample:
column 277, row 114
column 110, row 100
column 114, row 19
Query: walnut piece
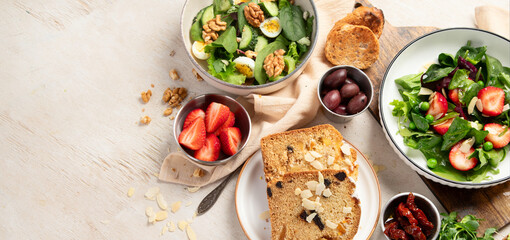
column 145, row 120
column 146, row 96
column 250, row 54
column 211, row 29
column 173, row 74
column 254, row 14
column 274, row 64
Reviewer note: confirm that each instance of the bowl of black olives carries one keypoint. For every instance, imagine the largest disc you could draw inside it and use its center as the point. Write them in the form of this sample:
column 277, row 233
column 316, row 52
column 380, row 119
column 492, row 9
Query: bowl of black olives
column 344, row 92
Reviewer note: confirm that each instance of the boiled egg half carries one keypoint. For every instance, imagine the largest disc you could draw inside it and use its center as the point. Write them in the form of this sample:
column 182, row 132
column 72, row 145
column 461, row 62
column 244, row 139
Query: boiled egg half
column 198, row 49
column 271, row 27
column 245, row 66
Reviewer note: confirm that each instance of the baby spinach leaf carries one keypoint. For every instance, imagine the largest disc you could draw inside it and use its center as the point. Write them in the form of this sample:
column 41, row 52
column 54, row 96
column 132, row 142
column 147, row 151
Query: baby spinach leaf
column 227, row 40
column 470, row 93
column 293, row 25
column 448, row 60
column 421, row 123
column 495, row 156
column 436, row 72
column 478, row 134
column 472, row 54
column 460, row 79
column 309, row 25
column 456, row 132
column 241, row 19
column 409, row 82
column 494, row 68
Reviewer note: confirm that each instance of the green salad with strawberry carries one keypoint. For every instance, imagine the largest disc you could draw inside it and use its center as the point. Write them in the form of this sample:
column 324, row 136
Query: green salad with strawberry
column 457, row 114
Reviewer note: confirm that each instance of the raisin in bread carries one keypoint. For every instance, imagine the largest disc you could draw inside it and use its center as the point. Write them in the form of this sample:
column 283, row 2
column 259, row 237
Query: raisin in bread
column 313, row 205
column 315, row 148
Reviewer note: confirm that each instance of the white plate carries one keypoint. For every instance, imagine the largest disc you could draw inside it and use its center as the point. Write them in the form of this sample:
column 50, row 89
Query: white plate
column 251, row 198
column 410, row 60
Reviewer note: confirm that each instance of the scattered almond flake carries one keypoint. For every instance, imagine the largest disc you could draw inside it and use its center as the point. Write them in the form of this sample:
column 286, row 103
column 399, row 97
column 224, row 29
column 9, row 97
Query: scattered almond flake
column 443, row 91
column 330, row 160
column 506, row 107
column 467, row 144
column 163, row 230
column 315, row 154
column 327, row 193
column 309, row 157
column 335, row 167
column 347, row 210
column 432, row 96
column 438, row 116
column 191, row 234
column 425, row 91
column 311, row 217
column 297, row 191
column 151, row 193
column 192, row 189
column 331, row 224
column 161, row 202
column 479, row 105
column 320, row 187
column 172, row 53
column 182, row 225
column 171, row 226
column 321, row 209
column 176, row 206
column 346, row 149
column 131, row 191
column 307, row 204
column 161, row 215
column 317, row 165
column 173, row 74
column 198, row 172
column 321, row 177
column 105, row 221
column 264, row 215
column 188, row 204
column 306, row 193
column 149, row 211
column 311, row 184
column 471, row 105
column 475, row 125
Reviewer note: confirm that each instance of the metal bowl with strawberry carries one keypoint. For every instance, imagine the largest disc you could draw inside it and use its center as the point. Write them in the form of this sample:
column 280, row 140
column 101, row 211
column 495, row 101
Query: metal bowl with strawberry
column 212, row 128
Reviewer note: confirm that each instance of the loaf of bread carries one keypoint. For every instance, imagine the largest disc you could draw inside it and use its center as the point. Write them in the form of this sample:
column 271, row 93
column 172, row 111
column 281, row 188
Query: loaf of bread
column 313, row 205
column 316, row 148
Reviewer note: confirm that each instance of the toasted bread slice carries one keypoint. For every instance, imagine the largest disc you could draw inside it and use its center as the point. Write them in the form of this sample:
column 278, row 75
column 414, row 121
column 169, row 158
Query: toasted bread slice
column 328, row 214
column 314, row 148
column 354, row 45
column 370, row 17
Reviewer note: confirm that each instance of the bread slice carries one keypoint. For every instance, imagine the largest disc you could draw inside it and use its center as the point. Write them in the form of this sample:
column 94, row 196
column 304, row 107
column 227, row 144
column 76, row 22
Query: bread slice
column 370, row 17
column 292, row 217
column 314, row 148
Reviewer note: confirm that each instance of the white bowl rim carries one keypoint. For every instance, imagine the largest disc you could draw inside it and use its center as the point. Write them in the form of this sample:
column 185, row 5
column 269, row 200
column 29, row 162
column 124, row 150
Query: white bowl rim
column 267, row 84
column 383, row 121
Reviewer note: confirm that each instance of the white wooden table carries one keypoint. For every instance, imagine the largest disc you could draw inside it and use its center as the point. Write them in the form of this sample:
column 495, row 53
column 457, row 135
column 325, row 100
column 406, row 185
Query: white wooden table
column 71, row 76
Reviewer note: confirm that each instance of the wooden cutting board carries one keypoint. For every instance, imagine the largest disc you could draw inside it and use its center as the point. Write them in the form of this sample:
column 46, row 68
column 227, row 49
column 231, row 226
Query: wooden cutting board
column 488, row 203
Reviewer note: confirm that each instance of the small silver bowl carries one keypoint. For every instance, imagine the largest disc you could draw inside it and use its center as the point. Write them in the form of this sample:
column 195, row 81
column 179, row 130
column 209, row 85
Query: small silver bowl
column 243, row 122
column 356, row 75
column 422, row 203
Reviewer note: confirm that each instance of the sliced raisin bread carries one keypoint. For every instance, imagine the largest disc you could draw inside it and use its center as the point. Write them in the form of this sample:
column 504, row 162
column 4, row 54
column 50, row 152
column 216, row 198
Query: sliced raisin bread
column 313, row 205
column 315, row 148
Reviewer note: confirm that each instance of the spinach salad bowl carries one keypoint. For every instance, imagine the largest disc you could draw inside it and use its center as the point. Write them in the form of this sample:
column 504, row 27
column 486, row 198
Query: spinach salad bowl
column 409, row 91
column 223, row 62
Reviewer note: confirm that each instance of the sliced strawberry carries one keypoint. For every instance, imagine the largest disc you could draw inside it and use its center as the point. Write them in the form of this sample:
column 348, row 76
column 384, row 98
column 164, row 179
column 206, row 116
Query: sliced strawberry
column 231, row 120
column 192, row 115
column 215, row 115
column 438, row 106
column 230, row 139
column 211, row 149
column 459, row 160
column 495, row 130
column 442, row 128
column 193, row 137
column 454, row 96
column 493, row 100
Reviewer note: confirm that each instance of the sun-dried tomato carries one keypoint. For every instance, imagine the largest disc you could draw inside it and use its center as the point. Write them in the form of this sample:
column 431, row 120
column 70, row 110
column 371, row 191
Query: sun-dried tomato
column 424, row 223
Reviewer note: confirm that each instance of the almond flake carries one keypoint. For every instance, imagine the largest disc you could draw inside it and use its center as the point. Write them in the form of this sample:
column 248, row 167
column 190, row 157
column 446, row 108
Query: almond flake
column 190, row 233
column 311, row 217
column 331, row 224
column 443, row 91
column 425, row 91
column 320, row 187
column 161, row 215
column 335, row 167
column 321, row 177
column 297, row 191
column 182, row 225
column 151, row 193
column 192, row 189
column 467, row 144
column 306, row 193
column 315, row 154
column 327, row 193
column 321, row 209
column 149, row 211
column 161, row 202
column 264, row 215
column 330, row 160
column 311, row 184
column 130, row 192
column 471, row 105
column 309, row 157
column 347, row 210
column 479, row 105
column 171, row 226
column 176, row 206
column 346, row 149
column 317, row 165
column 307, row 204
column 506, row 107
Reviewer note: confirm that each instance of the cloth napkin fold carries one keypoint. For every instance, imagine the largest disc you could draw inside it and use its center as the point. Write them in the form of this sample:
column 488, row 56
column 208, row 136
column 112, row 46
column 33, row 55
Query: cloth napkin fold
column 493, row 19
column 290, row 107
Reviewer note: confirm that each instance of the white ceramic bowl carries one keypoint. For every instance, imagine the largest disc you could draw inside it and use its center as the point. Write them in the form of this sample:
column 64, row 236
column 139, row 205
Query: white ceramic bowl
column 411, row 60
column 191, row 8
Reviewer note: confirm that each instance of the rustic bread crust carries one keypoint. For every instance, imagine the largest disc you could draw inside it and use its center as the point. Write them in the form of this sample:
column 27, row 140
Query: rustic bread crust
column 370, row 17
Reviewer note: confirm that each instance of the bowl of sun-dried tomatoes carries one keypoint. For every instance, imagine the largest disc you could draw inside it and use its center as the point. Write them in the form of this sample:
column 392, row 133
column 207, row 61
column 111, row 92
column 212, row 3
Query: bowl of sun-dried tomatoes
column 410, row 216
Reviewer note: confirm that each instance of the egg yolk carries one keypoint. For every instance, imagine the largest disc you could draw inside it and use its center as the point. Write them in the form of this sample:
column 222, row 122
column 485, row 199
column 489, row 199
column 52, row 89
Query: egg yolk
column 244, row 69
column 200, row 46
column 272, row 26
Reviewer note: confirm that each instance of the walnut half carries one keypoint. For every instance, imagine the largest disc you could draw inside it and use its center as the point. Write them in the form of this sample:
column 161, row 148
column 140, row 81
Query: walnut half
column 211, row 29
column 254, row 14
column 274, row 64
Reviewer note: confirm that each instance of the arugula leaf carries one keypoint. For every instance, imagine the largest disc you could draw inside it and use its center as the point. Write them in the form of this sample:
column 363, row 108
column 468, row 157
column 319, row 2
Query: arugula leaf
column 451, row 229
column 436, row 72
column 293, row 24
column 460, row 79
column 409, row 82
column 456, row 132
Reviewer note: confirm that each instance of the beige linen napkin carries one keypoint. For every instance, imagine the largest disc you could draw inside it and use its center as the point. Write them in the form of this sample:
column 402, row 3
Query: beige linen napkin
column 290, row 107
column 493, row 19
